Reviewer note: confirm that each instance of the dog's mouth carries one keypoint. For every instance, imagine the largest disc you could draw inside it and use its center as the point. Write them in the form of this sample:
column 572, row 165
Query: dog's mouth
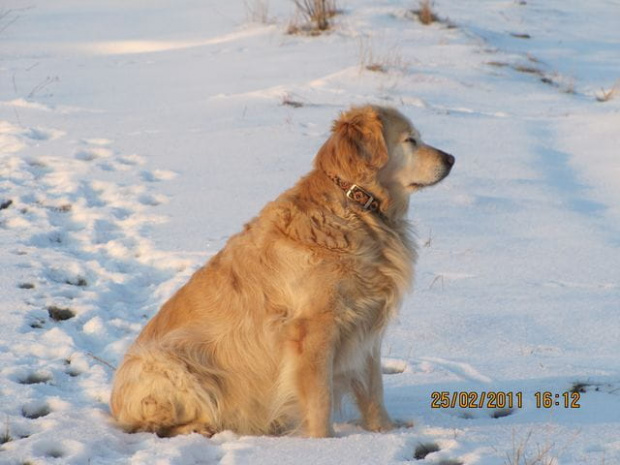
column 441, row 177
column 420, row 185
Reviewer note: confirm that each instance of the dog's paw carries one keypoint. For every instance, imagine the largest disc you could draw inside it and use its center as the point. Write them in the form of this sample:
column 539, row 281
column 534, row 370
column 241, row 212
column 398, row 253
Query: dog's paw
column 321, row 433
column 402, row 424
column 388, row 425
column 199, row 428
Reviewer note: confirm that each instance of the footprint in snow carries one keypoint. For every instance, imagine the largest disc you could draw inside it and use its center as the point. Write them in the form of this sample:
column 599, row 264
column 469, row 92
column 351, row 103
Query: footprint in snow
column 89, row 277
column 93, row 153
column 100, row 142
column 158, row 175
column 49, row 448
column 424, row 449
column 106, row 231
column 41, row 134
column 132, row 160
column 36, row 377
column 60, row 313
column 434, row 452
column 475, row 414
column 152, row 200
column 35, row 410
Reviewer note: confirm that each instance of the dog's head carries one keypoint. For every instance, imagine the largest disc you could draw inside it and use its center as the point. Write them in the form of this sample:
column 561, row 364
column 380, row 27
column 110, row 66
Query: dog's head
column 378, row 149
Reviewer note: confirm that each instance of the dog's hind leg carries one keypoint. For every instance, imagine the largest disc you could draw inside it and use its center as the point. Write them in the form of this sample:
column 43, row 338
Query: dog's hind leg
column 156, row 391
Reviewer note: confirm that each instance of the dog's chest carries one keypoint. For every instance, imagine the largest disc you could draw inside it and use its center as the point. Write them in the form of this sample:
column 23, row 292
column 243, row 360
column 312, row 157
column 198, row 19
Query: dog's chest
column 378, row 275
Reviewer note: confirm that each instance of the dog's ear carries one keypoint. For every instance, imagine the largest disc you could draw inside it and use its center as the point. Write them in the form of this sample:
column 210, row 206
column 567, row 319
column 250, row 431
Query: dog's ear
column 364, row 128
column 356, row 148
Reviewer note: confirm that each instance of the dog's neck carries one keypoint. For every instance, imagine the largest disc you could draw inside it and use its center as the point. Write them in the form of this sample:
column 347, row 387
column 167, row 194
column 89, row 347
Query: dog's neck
column 357, row 194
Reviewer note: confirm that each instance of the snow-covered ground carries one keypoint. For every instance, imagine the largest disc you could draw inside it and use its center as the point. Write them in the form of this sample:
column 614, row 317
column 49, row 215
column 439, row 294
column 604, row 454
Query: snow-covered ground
column 136, row 136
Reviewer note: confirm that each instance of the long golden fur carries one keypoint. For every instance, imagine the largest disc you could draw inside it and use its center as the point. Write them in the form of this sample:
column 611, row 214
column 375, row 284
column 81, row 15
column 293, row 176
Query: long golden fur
column 290, row 315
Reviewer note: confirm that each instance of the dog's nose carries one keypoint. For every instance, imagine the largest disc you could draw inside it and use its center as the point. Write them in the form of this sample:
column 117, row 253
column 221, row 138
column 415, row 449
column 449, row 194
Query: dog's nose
column 449, row 159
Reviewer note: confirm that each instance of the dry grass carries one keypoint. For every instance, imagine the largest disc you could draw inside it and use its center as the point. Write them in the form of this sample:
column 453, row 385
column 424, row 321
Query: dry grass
column 526, row 69
column 315, row 16
column 6, row 435
column 289, row 100
column 43, row 85
column 7, row 17
column 565, row 84
column 438, row 279
column 425, row 13
column 376, row 67
column 102, row 361
column 605, row 95
column 522, row 453
column 428, row 242
column 380, row 62
column 257, row 11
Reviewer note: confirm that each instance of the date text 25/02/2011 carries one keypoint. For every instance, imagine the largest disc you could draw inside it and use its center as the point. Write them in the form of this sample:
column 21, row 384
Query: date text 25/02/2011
column 502, row 399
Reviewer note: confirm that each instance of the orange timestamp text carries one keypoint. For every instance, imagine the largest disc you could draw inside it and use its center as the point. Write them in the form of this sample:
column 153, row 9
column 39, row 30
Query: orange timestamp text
column 502, row 399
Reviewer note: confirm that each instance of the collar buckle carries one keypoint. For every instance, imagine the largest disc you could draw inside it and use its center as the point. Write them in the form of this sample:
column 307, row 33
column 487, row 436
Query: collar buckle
column 361, row 196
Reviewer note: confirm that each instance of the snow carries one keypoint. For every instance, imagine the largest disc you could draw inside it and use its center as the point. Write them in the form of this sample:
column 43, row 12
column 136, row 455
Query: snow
column 136, row 137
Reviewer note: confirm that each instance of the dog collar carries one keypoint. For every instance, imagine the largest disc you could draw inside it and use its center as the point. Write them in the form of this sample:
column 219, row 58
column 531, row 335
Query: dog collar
column 352, row 191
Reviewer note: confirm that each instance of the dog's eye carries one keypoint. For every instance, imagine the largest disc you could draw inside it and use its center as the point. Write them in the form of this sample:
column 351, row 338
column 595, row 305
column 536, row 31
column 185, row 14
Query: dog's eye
column 411, row 140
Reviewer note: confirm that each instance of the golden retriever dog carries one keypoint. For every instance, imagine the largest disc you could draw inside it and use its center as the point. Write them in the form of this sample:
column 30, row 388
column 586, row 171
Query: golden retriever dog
column 290, row 314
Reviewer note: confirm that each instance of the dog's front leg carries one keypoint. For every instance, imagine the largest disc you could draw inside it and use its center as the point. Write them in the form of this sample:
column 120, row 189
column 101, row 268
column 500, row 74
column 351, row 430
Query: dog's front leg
column 368, row 391
column 311, row 347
